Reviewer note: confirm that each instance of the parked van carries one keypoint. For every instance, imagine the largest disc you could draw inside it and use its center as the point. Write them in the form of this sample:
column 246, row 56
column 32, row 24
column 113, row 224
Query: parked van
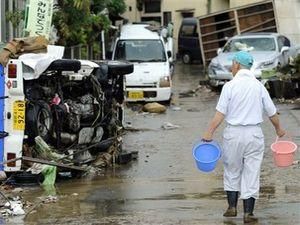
column 188, row 41
column 147, row 49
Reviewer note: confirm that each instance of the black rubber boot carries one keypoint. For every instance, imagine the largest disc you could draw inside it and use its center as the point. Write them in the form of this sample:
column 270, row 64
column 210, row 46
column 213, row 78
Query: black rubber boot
column 248, row 211
column 232, row 198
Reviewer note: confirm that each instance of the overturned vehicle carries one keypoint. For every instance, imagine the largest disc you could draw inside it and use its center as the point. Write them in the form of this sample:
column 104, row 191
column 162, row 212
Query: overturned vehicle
column 68, row 112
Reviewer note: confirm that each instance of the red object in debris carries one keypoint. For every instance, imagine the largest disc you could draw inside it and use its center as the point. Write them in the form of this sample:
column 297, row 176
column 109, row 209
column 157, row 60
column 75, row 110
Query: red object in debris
column 56, row 100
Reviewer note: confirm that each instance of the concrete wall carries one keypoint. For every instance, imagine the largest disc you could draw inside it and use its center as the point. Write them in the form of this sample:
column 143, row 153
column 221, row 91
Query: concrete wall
column 288, row 16
column 237, row 3
column 200, row 8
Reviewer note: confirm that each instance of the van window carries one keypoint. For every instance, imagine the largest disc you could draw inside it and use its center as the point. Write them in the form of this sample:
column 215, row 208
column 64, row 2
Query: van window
column 188, row 31
column 140, row 51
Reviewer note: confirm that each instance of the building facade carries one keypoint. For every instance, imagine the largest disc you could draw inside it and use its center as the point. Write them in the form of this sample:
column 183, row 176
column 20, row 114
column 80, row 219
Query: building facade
column 165, row 11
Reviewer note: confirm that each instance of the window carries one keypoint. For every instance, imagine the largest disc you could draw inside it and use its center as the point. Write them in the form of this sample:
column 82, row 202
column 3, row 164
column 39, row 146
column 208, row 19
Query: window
column 251, row 44
column 152, row 6
column 151, row 19
column 188, row 31
column 167, row 18
column 140, row 51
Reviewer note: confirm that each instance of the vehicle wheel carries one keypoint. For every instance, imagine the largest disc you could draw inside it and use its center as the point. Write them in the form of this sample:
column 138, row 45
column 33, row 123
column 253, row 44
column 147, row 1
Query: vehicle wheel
column 38, row 120
column 172, row 69
column 65, row 65
column 278, row 66
column 186, row 58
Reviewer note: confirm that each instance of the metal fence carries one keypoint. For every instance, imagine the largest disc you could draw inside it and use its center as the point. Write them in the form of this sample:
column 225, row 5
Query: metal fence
column 89, row 52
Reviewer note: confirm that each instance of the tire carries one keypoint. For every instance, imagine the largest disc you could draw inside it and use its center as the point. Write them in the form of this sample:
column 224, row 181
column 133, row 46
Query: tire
column 65, row 65
column 120, row 68
column 39, row 121
column 172, row 69
column 186, row 58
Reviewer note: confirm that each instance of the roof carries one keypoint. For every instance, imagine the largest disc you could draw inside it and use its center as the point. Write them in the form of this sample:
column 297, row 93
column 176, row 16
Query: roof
column 189, row 21
column 137, row 31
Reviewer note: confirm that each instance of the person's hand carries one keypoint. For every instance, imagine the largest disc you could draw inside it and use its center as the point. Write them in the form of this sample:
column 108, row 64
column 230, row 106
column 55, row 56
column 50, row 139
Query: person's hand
column 207, row 137
column 280, row 132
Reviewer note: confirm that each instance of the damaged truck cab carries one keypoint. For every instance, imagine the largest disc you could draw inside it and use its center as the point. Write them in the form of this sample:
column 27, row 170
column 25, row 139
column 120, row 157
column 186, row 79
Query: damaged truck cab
column 72, row 104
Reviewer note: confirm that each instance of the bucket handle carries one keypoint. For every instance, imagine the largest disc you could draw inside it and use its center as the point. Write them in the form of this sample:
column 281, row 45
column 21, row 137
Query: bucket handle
column 288, row 136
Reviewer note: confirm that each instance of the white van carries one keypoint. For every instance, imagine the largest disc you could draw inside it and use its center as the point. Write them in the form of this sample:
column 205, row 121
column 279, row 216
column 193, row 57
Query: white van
column 148, row 51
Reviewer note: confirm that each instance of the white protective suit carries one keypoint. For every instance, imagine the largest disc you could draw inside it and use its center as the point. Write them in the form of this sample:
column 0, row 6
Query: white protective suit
column 243, row 101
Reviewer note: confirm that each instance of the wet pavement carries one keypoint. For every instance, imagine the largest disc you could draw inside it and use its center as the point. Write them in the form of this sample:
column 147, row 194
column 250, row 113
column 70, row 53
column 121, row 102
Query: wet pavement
column 163, row 186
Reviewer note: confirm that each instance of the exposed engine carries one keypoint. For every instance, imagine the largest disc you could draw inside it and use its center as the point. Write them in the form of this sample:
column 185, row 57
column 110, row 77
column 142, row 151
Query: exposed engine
column 75, row 108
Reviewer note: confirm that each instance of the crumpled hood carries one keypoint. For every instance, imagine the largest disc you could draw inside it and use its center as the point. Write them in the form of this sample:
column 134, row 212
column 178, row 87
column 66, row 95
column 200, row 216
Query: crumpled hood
column 147, row 73
column 225, row 59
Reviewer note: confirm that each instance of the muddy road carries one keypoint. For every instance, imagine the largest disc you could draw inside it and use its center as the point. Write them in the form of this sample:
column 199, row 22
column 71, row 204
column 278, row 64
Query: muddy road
column 163, row 186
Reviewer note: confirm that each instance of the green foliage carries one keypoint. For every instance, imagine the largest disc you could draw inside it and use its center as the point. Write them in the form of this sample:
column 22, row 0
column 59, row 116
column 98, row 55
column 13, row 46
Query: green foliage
column 116, row 7
column 15, row 17
column 297, row 64
column 81, row 21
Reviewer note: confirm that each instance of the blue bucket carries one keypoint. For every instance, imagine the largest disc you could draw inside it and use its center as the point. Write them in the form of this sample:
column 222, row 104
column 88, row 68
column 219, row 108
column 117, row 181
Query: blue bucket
column 206, row 155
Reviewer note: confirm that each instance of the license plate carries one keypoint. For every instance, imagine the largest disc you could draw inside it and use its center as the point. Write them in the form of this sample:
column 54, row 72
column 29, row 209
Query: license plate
column 19, row 115
column 135, row 94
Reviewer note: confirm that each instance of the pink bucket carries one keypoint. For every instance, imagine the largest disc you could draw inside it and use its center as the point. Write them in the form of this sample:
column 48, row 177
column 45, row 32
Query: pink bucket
column 283, row 152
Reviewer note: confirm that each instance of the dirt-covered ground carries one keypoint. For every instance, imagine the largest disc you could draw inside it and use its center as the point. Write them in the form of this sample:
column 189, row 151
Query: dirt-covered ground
column 163, row 186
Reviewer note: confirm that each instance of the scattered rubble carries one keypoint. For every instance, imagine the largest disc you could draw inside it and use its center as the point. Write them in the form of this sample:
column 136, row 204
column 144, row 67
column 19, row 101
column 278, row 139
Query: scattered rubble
column 154, row 108
column 169, row 126
column 194, row 92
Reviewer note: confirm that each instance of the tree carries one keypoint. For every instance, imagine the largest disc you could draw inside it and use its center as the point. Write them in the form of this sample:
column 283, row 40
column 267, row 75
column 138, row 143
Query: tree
column 15, row 17
column 81, row 21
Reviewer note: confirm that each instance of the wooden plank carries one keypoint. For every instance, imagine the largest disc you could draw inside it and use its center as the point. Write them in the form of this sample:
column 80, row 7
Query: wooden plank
column 211, row 50
column 238, row 30
column 219, row 31
column 266, row 29
column 43, row 161
column 237, row 8
column 11, row 160
column 256, row 13
column 214, row 41
column 257, row 25
column 216, row 23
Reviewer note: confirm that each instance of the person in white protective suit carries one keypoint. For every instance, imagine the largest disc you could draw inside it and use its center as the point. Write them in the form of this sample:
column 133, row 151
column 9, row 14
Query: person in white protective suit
column 242, row 103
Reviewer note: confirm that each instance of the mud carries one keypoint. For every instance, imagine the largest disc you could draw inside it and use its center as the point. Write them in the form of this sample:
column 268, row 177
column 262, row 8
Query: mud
column 163, row 186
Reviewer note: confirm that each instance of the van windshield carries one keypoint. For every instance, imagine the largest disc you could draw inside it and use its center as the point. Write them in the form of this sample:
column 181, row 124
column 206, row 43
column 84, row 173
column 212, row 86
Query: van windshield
column 140, row 51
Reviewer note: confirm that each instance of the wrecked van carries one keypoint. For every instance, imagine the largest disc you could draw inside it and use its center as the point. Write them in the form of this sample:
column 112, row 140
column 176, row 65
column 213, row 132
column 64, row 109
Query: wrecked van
column 147, row 50
column 71, row 105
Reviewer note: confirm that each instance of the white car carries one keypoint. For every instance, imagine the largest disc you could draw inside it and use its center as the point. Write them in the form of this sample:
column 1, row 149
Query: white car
column 269, row 50
column 152, row 60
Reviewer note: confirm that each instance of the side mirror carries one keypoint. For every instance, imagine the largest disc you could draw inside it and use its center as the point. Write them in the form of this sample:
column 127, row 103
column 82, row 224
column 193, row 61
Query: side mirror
column 219, row 51
column 284, row 48
column 169, row 53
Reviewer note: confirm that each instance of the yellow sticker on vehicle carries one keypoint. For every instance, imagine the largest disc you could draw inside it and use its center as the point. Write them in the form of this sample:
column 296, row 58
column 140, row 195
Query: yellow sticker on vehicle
column 136, row 94
column 19, row 115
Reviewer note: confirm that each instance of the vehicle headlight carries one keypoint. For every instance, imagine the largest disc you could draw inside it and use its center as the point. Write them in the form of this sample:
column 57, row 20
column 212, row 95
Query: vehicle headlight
column 267, row 64
column 165, row 81
column 215, row 66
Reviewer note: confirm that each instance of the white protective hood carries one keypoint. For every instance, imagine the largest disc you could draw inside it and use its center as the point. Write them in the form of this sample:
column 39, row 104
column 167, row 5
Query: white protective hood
column 38, row 63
